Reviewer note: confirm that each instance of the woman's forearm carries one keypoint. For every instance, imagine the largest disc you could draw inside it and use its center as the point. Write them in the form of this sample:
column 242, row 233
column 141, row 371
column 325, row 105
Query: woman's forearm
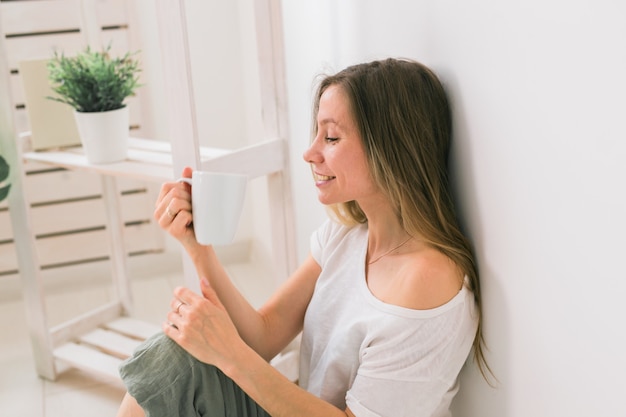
column 272, row 391
column 248, row 321
column 270, row 329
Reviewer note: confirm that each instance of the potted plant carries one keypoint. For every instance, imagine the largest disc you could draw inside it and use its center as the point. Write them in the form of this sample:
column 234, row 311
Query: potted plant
column 96, row 85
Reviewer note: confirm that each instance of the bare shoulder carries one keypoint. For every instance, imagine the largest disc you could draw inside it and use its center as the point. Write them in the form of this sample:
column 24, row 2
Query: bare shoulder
column 432, row 279
column 422, row 280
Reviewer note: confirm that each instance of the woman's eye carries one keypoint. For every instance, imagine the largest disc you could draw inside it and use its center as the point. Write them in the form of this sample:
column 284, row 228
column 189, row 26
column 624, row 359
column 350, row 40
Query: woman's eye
column 331, row 139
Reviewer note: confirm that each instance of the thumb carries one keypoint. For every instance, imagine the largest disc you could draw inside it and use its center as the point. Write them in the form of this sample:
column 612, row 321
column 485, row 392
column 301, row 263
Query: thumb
column 208, row 292
column 187, row 171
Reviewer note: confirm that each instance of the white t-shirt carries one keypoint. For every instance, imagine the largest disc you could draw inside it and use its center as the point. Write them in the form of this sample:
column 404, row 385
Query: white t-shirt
column 378, row 359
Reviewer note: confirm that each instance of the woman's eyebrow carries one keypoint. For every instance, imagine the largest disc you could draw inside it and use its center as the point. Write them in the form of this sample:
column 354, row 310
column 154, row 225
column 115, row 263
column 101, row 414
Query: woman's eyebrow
column 327, row 121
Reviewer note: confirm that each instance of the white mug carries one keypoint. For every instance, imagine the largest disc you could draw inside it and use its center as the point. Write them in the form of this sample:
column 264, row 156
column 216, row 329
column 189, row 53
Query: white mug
column 216, row 203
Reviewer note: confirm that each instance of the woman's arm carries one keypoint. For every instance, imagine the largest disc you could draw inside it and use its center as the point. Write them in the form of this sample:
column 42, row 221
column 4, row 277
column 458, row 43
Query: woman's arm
column 203, row 328
column 275, row 394
column 271, row 328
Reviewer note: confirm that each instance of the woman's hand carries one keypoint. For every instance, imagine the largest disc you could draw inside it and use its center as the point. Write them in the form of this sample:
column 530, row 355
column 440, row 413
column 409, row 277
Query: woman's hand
column 173, row 210
column 202, row 326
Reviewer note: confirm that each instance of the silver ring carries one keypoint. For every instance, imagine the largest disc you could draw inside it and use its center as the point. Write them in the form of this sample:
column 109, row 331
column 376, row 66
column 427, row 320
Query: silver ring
column 169, row 213
column 178, row 307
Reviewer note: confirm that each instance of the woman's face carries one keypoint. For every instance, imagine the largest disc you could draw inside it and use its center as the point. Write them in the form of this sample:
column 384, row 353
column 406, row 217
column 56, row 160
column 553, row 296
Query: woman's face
column 336, row 155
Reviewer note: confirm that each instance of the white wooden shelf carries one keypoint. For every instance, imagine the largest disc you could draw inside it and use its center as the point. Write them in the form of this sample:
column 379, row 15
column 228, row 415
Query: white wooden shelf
column 151, row 160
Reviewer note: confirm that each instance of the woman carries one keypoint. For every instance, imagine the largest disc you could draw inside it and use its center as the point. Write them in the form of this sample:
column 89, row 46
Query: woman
column 388, row 300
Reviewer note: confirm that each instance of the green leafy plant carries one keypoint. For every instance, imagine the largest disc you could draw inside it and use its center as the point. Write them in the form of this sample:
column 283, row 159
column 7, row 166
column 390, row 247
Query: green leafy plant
column 4, row 175
column 92, row 81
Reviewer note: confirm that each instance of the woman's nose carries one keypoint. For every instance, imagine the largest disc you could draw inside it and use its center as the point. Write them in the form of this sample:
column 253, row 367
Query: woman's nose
column 311, row 155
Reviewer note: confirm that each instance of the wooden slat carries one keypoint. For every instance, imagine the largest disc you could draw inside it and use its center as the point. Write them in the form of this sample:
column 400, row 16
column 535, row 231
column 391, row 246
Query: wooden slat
column 132, row 328
column 89, row 359
column 71, row 329
column 20, row 118
column 45, row 186
column 25, row 17
column 93, row 244
column 112, row 12
column 80, row 215
column 60, row 185
column 67, row 184
column 42, row 47
column 19, row 17
column 129, row 168
column 110, row 342
column 254, row 160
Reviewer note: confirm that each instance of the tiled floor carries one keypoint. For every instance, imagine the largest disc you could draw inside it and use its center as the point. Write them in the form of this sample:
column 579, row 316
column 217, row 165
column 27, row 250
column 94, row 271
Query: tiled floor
column 76, row 393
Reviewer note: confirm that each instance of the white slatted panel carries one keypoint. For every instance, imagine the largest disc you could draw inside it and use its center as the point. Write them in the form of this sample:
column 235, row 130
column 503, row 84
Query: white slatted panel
column 74, row 248
column 103, row 349
column 68, row 203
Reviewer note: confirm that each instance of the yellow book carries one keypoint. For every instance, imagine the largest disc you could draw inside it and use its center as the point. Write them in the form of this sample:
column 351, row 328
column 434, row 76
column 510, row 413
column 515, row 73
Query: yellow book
column 52, row 123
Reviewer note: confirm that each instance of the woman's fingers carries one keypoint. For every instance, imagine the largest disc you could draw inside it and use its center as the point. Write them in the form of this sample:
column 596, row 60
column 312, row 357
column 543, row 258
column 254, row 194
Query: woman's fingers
column 174, row 209
column 209, row 293
column 171, row 192
column 186, row 295
column 200, row 325
column 183, row 298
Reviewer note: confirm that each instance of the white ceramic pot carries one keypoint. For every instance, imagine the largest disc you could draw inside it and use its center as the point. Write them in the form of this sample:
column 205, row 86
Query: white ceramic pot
column 104, row 135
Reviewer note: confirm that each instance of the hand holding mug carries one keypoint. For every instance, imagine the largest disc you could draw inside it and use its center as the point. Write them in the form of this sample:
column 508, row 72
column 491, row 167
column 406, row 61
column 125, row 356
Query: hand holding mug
column 217, row 201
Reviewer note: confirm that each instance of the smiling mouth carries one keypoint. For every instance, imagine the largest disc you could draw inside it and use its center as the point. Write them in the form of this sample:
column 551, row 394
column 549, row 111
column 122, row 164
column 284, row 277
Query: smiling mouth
column 323, row 177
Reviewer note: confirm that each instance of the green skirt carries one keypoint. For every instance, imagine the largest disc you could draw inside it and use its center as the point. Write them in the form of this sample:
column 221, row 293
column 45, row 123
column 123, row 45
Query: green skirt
column 167, row 381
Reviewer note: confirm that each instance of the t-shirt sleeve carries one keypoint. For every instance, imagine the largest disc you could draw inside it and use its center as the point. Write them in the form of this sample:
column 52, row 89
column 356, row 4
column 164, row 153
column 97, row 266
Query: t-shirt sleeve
column 319, row 240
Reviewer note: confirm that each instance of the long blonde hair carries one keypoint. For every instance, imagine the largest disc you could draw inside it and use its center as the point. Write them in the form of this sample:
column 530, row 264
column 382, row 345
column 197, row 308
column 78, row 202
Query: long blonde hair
column 402, row 114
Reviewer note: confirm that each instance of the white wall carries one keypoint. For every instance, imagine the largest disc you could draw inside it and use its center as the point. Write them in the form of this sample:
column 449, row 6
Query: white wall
column 539, row 95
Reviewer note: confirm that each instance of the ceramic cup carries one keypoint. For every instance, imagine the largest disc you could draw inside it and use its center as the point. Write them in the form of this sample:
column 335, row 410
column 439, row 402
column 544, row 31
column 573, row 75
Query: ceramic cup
column 216, row 203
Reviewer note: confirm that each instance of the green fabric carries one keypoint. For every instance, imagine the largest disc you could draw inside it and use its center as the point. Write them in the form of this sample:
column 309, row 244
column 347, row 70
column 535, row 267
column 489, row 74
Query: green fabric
column 168, row 382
